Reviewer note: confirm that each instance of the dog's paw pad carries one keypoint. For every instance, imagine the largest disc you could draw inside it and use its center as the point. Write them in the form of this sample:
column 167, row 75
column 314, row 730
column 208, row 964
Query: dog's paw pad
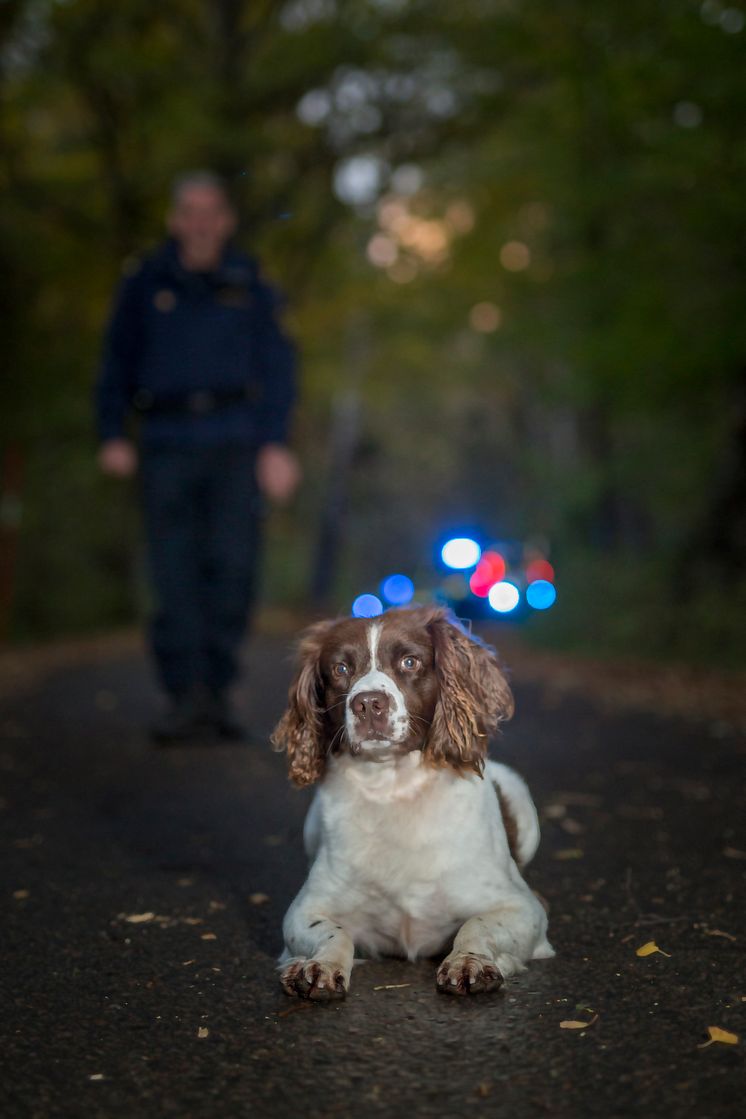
column 312, row 979
column 467, row 975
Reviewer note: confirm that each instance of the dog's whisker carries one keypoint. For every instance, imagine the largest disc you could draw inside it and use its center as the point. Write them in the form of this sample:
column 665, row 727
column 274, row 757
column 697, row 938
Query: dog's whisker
column 339, row 703
column 340, row 732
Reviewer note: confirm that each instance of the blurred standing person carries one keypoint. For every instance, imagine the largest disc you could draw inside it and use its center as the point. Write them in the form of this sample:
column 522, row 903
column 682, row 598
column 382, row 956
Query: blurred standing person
column 194, row 348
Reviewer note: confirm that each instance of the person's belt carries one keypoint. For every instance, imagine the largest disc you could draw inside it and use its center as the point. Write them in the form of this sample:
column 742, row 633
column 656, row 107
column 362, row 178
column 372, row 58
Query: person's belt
column 201, row 402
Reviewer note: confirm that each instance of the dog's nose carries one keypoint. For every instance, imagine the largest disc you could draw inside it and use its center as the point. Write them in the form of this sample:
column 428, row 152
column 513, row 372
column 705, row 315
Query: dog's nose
column 372, row 708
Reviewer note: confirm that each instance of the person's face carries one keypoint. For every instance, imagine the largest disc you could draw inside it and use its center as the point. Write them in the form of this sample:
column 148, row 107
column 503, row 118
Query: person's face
column 201, row 220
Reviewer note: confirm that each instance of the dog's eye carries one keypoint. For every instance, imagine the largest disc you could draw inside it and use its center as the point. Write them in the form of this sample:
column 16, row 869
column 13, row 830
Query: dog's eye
column 340, row 669
column 410, row 663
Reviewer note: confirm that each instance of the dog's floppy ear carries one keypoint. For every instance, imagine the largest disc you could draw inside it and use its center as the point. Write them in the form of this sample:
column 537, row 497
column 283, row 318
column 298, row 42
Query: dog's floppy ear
column 473, row 696
column 301, row 729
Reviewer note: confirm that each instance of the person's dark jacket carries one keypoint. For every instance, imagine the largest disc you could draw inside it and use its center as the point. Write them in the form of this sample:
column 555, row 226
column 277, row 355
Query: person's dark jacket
column 200, row 356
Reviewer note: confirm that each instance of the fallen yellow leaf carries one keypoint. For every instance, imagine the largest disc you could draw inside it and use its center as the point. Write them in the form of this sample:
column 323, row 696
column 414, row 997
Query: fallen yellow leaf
column 202, row 1031
column 258, row 899
column 139, row 918
column 716, row 1034
column 208, row 936
column 649, row 949
column 574, row 1024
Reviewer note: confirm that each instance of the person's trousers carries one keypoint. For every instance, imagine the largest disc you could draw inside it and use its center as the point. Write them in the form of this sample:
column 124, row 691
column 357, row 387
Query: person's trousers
column 202, row 515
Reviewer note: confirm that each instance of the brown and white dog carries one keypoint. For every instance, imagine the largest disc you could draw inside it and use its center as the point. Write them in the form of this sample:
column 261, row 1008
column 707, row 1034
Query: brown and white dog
column 415, row 838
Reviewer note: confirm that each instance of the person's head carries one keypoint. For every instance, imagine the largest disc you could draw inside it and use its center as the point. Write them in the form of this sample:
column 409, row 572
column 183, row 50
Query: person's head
column 201, row 218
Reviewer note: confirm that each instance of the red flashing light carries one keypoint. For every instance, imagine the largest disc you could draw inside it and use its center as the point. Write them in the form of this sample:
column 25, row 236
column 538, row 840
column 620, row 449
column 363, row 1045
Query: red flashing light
column 539, row 569
column 490, row 570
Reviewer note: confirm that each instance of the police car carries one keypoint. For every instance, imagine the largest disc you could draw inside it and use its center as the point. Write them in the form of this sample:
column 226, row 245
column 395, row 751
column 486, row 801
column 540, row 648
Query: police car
column 476, row 576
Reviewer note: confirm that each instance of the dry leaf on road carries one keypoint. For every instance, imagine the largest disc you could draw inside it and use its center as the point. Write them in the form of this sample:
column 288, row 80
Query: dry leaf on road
column 649, row 949
column 576, row 1024
column 723, row 1036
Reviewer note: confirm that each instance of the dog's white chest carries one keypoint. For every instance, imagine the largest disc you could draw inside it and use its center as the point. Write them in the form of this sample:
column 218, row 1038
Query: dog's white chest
column 411, row 858
column 408, row 914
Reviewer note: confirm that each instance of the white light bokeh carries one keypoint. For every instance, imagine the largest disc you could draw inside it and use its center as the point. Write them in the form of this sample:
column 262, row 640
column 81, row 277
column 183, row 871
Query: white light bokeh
column 461, row 552
column 357, row 180
column 314, row 107
column 504, row 597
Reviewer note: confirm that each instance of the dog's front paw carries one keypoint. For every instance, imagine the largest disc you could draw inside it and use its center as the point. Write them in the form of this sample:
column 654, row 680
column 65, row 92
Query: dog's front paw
column 311, row 979
column 467, row 975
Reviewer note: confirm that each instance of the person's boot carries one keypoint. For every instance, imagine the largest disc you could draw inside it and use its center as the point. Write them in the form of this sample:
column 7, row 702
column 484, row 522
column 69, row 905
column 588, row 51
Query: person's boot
column 180, row 722
column 222, row 717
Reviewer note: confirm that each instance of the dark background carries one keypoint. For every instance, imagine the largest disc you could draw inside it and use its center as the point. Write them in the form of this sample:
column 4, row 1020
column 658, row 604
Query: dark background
column 512, row 239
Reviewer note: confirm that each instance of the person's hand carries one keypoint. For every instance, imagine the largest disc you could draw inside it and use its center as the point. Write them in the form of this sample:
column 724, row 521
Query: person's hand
column 118, row 458
column 277, row 472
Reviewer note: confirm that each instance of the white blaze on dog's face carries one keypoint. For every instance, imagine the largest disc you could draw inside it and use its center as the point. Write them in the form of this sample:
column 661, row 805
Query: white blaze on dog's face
column 375, row 712
column 380, row 677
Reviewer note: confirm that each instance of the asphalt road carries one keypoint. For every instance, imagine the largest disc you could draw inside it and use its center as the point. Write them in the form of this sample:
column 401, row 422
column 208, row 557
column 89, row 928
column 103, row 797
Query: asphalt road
column 143, row 892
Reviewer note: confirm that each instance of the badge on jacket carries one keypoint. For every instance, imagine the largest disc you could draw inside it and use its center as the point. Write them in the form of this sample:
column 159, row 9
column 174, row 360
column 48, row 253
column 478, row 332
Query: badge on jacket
column 164, row 300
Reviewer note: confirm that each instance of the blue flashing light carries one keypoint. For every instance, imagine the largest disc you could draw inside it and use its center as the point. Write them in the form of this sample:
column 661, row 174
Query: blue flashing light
column 398, row 590
column 460, row 552
column 504, row 597
column 541, row 594
column 367, row 606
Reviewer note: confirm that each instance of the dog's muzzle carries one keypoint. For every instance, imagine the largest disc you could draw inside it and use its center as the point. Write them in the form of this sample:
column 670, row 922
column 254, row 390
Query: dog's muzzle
column 371, row 714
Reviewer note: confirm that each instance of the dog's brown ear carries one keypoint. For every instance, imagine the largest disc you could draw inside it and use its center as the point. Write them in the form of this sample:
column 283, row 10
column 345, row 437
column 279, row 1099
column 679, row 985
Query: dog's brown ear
column 301, row 730
column 474, row 696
